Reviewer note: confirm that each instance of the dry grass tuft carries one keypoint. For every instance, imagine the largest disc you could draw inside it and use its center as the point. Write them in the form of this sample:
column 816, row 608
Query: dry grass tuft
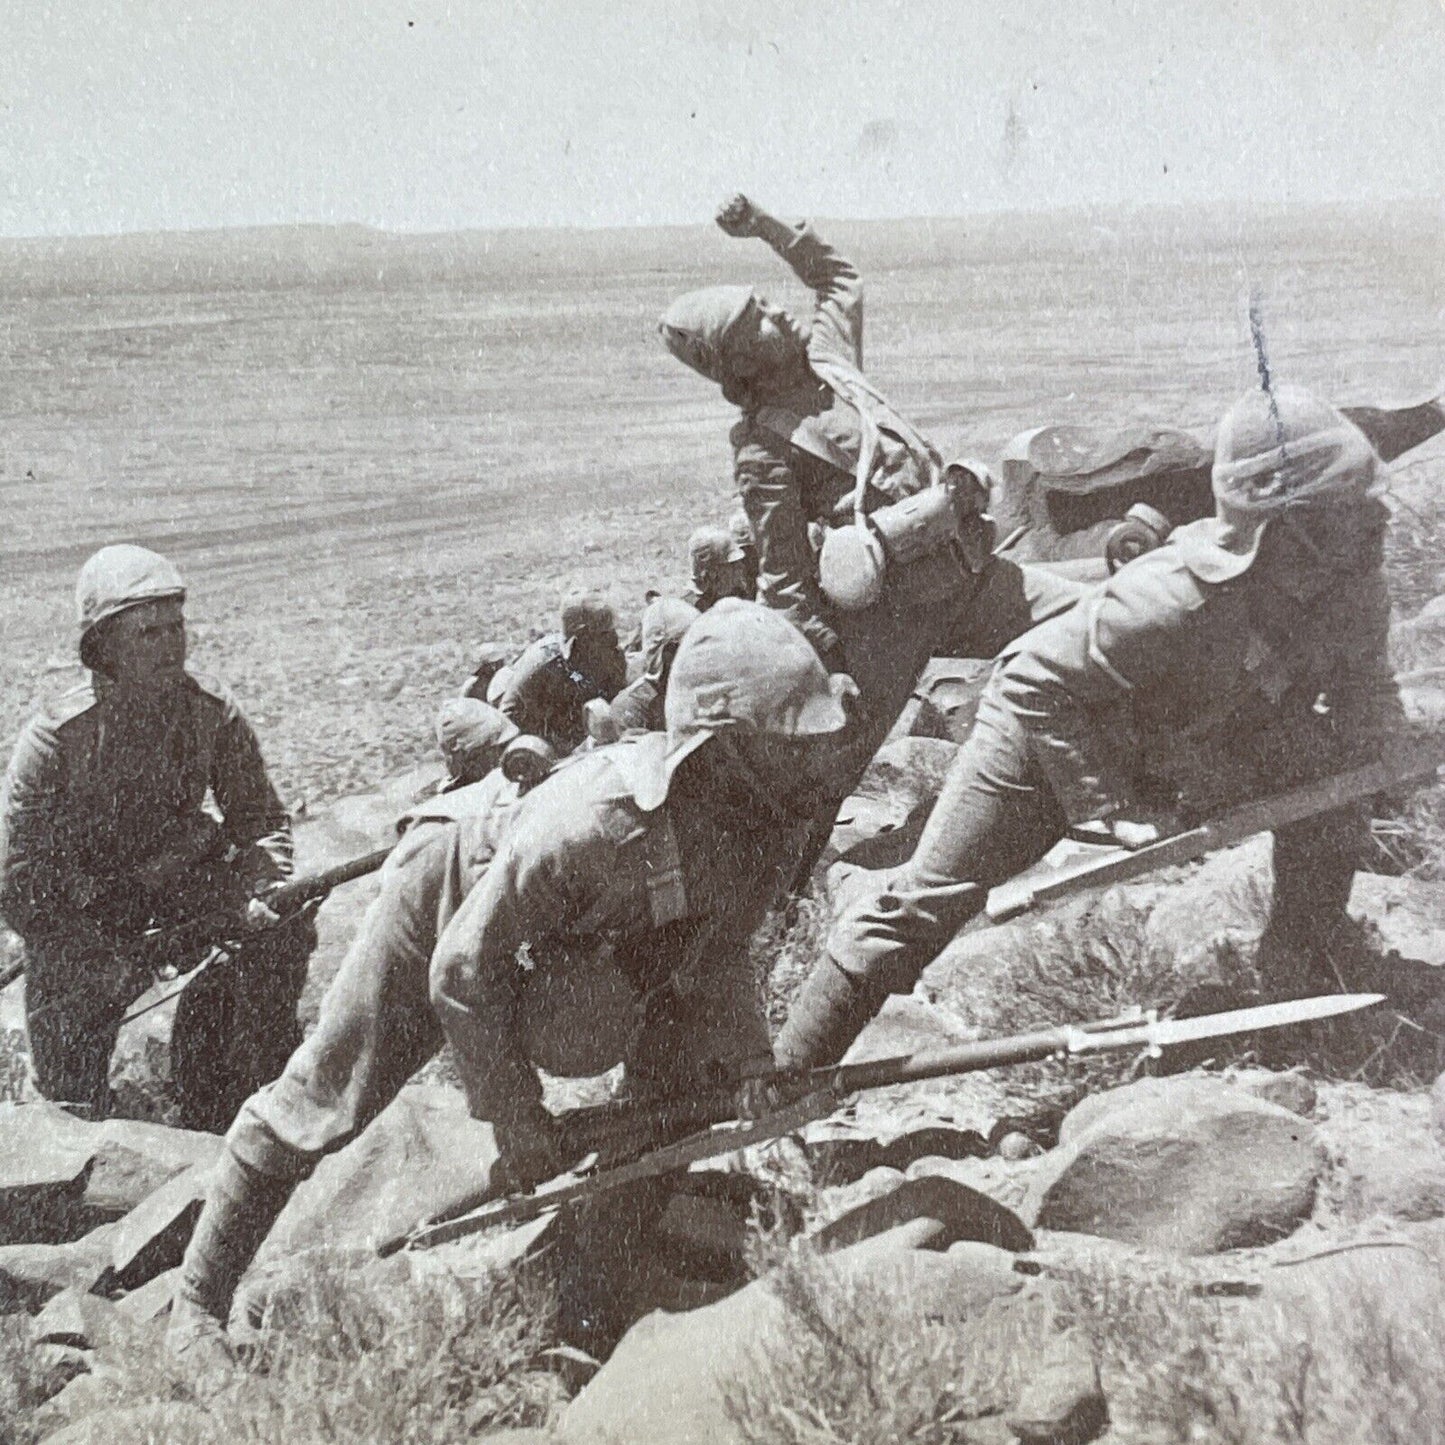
column 355, row 1357
column 1178, row 1368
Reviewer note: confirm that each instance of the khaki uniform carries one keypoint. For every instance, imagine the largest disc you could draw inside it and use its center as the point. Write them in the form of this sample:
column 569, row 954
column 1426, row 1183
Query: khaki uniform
column 93, row 790
column 1156, row 685
column 545, row 693
column 467, row 900
column 795, row 463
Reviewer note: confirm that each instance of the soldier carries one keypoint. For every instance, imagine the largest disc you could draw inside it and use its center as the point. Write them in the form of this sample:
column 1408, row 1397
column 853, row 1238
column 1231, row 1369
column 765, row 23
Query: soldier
column 550, row 683
column 472, row 737
column 658, row 855
column 818, row 444
column 639, row 706
column 108, row 835
column 718, row 566
column 1247, row 653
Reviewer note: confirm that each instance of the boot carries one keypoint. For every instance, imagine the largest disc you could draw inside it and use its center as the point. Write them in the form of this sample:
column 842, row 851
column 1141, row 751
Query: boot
column 241, row 1206
column 830, row 1011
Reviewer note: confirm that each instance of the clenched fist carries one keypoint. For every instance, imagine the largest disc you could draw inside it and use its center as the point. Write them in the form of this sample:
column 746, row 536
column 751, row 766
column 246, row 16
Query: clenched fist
column 738, row 216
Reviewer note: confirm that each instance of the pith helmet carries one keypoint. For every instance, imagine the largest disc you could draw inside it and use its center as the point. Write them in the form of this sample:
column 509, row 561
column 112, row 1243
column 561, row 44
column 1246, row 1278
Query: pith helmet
column 665, row 620
column 466, row 726
column 119, row 577
column 1276, row 452
column 745, row 667
column 587, row 612
column 695, row 327
column 710, row 548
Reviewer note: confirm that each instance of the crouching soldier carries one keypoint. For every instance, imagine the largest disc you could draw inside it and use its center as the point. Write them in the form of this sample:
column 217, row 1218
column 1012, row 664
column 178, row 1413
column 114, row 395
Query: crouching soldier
column 551, row 683
column 1245, row 655
column 657, row 856
column 137, row 803
column 472, row 736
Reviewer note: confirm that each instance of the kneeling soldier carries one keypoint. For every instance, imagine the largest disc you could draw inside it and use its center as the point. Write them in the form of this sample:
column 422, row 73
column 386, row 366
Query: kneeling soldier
column 137, row 803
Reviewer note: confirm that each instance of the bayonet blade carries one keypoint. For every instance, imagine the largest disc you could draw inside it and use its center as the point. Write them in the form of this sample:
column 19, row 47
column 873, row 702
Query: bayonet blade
column 1266, row 1016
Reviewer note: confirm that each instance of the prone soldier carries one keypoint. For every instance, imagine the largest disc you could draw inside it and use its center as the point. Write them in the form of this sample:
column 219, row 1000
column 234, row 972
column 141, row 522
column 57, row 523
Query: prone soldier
column 107, row 835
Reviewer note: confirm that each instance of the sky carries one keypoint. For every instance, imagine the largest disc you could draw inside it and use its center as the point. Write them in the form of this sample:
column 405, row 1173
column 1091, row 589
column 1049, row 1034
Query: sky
column 421, row 115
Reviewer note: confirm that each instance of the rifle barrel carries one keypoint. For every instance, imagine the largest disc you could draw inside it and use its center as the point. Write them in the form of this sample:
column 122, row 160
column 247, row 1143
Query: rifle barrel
column 317, row 885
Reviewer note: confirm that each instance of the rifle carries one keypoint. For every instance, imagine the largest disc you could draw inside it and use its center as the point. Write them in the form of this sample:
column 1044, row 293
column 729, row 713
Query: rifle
column 816, row 1093
column 1118, row 865
column 221, row 933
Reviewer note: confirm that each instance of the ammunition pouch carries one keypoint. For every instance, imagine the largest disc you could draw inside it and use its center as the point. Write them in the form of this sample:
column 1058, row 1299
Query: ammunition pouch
column 1143, row 529
column 527, row 760
column 855, row 560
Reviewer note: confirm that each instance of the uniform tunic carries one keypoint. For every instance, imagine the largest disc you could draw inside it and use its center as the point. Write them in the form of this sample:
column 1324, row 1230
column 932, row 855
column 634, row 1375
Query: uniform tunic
column 466, row 902
column 95, row 788
column 1161, row 686
column 795, row 462
column 546, row 692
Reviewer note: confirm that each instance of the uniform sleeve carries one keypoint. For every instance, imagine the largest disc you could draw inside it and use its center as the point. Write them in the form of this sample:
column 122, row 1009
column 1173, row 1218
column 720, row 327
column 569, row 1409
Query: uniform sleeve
column 837, row 290
column 1071, row 681
column 524, row 898
column 35, row 884
column 787, row 568
column 255, row 819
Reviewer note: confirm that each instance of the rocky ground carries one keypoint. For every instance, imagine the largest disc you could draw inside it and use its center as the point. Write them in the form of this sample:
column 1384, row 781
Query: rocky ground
column 1236, row 1253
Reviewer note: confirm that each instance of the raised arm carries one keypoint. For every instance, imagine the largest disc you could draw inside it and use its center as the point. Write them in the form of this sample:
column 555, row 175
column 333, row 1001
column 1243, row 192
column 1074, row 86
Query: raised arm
column 834, row 281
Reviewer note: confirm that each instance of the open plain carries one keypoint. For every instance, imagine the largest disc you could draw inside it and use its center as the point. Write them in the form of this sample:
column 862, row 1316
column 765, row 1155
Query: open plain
column 369, row 452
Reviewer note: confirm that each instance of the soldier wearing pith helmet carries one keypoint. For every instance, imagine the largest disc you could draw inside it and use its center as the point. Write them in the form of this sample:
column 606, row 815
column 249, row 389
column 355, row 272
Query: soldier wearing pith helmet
column 1247, row 654
column 137, row 802
column 636, row 872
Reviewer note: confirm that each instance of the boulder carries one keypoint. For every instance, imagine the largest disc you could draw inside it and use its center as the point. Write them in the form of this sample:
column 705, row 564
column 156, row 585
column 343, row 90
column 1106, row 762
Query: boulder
column 152, row 1301
column 159, row 1422
column 959, row 1212
column 60, row 1176
column 153, row 1236
column 84, row 1321
column 1408, row 912
column 32, row 1274
column 1392, row 1280
column 669, row 1378
column 422, row 1152
column 1285, row 1089
column 1188, row 1166
column 1397, row 1183
column 1437, row 1109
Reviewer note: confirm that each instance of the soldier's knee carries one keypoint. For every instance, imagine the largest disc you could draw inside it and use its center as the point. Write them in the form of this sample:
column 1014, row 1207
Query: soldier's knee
column 254, row 1141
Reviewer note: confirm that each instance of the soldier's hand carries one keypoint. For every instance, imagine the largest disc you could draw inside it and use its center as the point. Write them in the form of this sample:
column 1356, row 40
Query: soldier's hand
column 737, row 216
column 259, row 915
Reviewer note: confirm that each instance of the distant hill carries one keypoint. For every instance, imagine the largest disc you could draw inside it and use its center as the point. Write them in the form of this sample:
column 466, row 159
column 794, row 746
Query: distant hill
column 319, row 256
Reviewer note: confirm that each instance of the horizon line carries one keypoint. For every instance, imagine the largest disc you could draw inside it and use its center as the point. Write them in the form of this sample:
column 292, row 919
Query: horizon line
column 1411, row 201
